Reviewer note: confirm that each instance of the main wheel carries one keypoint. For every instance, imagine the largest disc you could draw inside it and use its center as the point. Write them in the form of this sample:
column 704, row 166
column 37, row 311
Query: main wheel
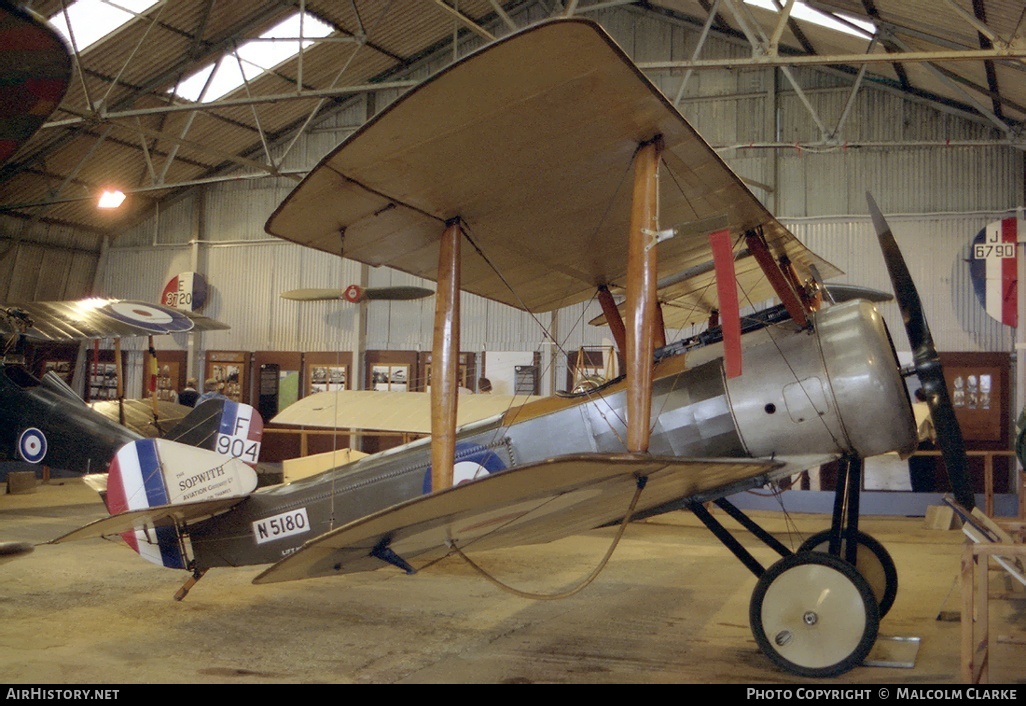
column 875, row 565
column 814, row 615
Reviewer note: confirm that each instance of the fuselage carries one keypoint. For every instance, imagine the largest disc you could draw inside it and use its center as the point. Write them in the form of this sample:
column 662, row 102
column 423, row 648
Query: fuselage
column 829, row 390
column 43, row 422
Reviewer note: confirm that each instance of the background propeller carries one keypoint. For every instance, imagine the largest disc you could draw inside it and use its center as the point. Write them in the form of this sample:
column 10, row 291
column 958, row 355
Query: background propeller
column 355, row 294
column 926, row 362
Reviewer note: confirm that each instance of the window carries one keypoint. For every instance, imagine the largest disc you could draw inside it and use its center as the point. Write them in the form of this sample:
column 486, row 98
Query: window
column 92, row 20
column 801, row 11
column 253, row 58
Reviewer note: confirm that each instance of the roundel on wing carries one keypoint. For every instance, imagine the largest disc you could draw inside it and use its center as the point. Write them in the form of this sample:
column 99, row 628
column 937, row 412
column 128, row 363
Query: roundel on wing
column 32, row 445
column 472, row 461
column 157, row 319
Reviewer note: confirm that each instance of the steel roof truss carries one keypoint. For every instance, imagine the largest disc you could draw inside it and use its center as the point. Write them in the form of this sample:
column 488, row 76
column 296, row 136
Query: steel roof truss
column 762, row 45
column 710, row 18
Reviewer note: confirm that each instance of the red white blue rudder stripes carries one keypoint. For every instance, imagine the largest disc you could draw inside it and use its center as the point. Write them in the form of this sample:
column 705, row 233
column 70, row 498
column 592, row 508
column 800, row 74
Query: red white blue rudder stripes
column 155, row 472
column 994, row 268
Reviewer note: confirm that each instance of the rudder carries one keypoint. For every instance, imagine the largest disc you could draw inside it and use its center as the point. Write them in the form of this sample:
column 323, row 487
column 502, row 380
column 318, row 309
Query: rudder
column 156, row 472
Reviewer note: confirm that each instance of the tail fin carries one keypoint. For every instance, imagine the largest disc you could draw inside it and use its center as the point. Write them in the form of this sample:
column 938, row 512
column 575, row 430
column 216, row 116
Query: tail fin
column 156, row 472
column 230, row 428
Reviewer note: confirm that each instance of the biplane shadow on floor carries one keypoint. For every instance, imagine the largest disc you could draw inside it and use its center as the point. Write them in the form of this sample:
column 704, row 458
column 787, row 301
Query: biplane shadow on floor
column 541, row 171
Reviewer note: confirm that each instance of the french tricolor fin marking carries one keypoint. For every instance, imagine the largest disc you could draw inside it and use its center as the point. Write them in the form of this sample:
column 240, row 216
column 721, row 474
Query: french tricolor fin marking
column 993, row 268
column 240, row 432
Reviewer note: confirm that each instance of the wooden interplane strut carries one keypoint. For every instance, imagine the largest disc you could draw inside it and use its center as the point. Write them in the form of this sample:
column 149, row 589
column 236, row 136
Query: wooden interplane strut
column 641, row 294
column 445, row 357
column 784, row 291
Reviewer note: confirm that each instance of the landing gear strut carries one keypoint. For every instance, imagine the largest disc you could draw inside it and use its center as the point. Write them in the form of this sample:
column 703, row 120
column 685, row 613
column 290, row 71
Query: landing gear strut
column 816, row 612
column 845, row 540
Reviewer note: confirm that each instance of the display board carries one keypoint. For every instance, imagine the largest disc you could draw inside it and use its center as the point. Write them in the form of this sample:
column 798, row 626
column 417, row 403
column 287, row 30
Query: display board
column 327, row 371
column 231, row 371
column 466, row 375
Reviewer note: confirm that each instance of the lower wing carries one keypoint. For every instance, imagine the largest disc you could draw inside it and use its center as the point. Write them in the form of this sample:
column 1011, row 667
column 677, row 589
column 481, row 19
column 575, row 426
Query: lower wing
column 526, row 505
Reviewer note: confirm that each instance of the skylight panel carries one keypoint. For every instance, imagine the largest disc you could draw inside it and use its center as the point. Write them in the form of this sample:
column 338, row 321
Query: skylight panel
column 801, row 11
column 256, row 56
column 92, row 20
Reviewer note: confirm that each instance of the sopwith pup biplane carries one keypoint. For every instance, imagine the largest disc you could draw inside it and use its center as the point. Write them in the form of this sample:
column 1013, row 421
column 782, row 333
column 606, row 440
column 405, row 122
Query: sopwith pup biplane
column 541, row 171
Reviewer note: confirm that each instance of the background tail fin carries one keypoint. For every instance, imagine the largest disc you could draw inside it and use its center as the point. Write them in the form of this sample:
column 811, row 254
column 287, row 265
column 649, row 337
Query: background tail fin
column 229, row 428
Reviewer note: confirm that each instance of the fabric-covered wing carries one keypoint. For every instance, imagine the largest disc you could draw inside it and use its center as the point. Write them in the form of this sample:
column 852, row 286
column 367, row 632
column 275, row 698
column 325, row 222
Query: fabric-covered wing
column 140, row 417
column 526, row 505
column 388, row 411
column 99, row 318
column 530, row 142
column 149, row 518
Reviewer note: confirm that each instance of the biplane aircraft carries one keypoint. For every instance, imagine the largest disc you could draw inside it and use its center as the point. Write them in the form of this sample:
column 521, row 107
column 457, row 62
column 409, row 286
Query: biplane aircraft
column 45, row 421
column 540, row 171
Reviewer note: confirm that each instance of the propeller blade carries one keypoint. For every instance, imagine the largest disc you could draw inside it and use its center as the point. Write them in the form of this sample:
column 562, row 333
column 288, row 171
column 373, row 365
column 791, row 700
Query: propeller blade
column 355, row 294
column 312, row 295
column 926, row 361
column 396, row 293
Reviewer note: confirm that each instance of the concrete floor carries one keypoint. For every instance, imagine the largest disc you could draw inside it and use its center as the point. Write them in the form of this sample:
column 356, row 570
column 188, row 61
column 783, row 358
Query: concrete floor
column 671, row 606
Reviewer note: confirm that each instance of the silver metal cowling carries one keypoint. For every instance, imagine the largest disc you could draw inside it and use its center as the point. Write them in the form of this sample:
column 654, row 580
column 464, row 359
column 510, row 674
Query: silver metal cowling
column 865, row 377
column 833, row 389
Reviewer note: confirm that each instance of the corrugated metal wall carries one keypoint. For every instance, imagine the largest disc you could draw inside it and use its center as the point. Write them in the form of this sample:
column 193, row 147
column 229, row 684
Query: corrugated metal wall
column 937, row 249
column 957, row 189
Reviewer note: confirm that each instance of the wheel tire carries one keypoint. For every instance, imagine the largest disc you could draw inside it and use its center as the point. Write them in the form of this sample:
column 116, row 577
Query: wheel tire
column 876, row 565
column 814, row 615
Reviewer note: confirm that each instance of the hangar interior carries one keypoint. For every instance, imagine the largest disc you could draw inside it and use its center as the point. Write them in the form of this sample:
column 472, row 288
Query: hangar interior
column 810, row 106
column 206, row 115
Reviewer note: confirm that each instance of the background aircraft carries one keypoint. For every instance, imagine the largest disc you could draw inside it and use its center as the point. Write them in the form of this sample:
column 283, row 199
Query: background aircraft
column 534, row 171
column 44, row 420
column 36, row 67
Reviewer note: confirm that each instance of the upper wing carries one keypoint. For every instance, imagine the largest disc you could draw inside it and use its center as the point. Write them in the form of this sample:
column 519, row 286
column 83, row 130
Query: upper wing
column 525, row 505
column 388, row 411
column 99, row 318
column 530, row 142
column 35, row 70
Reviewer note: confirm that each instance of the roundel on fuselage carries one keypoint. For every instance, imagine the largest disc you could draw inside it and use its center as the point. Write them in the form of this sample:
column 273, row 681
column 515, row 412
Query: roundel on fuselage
column 32, row 445
column 472, row 461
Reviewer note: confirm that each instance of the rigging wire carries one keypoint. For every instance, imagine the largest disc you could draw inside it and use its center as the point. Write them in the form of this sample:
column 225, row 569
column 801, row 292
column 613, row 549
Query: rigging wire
column 586, row 581
column 593, row 395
